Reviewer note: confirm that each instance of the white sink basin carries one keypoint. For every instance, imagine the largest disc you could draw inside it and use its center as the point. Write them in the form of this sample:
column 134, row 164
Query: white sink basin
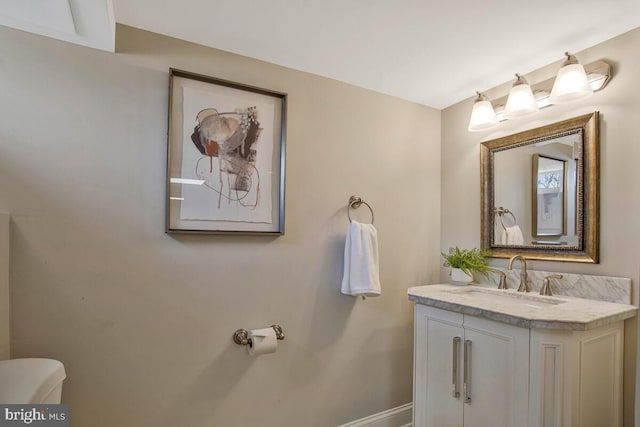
column 509, row 297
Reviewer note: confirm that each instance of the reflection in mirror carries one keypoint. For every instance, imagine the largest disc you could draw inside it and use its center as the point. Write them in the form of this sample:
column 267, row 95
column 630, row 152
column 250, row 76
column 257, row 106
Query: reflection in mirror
column 550, row 205
column 552, row 180
column 540, row 192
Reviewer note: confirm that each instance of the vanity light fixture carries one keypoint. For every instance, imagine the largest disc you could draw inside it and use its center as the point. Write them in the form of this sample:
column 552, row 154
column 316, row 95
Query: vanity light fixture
column 571, row 83
column 483, row 116
column 598, row 76
column 521, row 101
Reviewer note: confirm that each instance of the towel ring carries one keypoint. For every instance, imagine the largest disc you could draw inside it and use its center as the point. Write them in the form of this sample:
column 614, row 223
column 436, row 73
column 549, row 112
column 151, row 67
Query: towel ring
column 355, row 202
column 501, row 211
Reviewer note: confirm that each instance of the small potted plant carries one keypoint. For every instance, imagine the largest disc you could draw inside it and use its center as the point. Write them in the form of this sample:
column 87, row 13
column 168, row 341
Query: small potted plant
column 464, row 262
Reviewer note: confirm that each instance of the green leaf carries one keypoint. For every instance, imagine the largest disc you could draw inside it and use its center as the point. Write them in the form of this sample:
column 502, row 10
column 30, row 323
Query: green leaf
column 467, row 260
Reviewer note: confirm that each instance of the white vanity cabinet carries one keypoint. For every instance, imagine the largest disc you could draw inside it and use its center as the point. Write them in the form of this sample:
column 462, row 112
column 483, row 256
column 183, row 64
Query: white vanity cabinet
column 469, row 371
column 482, row 363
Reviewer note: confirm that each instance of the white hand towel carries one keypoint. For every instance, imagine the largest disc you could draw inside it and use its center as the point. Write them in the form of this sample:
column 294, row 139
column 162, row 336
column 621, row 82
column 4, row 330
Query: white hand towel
column 503, row 237
column 514, row 236
column 361, row 269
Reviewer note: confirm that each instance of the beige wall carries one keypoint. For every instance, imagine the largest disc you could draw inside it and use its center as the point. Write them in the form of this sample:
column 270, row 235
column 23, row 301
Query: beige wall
column 4, row 287
column 619, row 106
column 142, row 320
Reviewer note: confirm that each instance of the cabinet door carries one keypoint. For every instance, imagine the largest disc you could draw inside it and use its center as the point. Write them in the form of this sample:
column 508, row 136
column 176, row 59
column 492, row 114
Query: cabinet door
column 497, row 371
column 576, row 377
column 437, row 359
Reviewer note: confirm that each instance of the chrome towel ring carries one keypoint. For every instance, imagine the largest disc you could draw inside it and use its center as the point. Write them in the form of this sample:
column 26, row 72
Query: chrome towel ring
column 501, row 212
column 355, row 202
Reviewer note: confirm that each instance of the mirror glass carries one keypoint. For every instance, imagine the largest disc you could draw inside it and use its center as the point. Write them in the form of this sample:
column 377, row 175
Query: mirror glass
column 540, row 192
column 553, row 197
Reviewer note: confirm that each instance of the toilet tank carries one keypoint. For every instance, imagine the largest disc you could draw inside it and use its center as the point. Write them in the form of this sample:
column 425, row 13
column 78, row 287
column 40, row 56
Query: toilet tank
column 35, row 381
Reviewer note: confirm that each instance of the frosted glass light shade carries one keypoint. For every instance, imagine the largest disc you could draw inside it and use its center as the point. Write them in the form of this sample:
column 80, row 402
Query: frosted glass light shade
column 520, row 102
column 483, row 116
column 570, row 85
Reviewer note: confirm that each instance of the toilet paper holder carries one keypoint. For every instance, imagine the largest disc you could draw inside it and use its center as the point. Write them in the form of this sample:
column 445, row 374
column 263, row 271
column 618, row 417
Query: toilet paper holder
column 241, row 336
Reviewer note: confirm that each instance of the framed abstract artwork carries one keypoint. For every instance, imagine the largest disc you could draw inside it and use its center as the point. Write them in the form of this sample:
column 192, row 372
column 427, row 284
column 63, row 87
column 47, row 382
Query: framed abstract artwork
column 225, row 157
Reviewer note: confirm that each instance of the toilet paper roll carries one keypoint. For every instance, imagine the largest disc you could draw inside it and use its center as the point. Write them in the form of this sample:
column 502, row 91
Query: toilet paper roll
column 262, row 341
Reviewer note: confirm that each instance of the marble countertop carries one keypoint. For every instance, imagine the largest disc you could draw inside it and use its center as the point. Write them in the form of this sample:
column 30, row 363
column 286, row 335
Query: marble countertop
column 527, row 310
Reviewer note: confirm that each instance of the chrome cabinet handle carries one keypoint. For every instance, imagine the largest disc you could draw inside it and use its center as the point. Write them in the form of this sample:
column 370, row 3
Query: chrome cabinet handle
column 467, row 372
column 455, row 392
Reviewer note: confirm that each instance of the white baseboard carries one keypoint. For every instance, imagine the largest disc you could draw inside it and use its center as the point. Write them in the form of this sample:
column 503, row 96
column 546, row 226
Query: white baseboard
column 394, row 417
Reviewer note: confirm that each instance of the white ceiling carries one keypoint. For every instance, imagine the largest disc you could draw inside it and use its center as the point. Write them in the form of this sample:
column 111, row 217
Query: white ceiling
column 433, row 53
column 85, row 22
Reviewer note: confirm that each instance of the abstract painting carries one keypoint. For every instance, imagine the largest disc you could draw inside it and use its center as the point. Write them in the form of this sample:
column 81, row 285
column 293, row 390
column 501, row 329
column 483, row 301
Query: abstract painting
column 225, row 157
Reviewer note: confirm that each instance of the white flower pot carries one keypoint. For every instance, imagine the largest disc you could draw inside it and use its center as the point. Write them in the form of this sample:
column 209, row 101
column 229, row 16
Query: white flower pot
column 459, row 277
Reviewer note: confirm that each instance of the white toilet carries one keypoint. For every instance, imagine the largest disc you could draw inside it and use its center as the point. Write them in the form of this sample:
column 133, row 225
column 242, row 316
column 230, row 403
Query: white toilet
column 35, row 381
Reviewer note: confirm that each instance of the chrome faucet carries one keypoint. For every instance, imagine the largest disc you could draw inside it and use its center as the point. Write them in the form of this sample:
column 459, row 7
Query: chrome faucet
column 502, row 283
column 524, row 280
column 546, row 286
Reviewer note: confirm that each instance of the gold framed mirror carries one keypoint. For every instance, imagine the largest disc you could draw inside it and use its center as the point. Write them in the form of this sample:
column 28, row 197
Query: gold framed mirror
column 540, row 192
